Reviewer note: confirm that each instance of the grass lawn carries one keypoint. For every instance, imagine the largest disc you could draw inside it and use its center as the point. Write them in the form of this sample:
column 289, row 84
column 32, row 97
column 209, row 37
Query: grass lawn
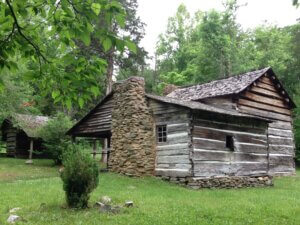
column 37, row 189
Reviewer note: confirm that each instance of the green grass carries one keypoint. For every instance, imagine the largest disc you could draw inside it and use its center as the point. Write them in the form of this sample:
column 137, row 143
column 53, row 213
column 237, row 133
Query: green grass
column 15, row 169
column 156, row 202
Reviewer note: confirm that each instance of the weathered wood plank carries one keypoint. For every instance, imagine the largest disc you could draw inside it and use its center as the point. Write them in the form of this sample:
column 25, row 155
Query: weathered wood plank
column 175, row 128
column 281, row 149
column 266, row 92
column 250, row 148
column 174, row 166
column 176, row 138
column 266, row 86
column 280, row 140
column 251, row 139
column 172, row 152
column 183, row 159
column 207, row 155
column 206, row 169
column 172, row 172
column 281, row 163
column 262, row 113
column 172, row 147
column 225, row 127
column 221, row 135
column 281, row 125
column 281, row 133
column 281, row 170
column 267, row 80
column 248, row 169
column 208, row 144
column 203, row 132
column 180, row 117
column 264, row 106
column 249, row 157
column 282, row 160
column 223, row 102
column 266, row 100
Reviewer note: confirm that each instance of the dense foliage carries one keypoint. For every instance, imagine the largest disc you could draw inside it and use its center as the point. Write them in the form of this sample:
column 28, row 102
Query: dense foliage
column 46, row 35
column 54, row 135
column 80, row 176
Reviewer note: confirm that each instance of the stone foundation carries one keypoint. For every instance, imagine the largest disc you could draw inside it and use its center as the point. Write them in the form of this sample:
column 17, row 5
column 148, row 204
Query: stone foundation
column 132, row 141
column 223, row 182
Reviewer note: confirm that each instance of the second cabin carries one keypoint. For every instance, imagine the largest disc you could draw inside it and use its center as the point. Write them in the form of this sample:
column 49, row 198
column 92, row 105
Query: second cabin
column 234, row 132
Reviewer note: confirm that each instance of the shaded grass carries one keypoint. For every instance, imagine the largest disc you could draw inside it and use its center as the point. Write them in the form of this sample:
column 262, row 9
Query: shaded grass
column 156, row 202
column 15, row 169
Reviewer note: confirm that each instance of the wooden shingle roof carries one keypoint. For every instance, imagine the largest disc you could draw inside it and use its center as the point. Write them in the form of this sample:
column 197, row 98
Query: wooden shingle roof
column 30, row 124
column 227, row 86
column 231, row 85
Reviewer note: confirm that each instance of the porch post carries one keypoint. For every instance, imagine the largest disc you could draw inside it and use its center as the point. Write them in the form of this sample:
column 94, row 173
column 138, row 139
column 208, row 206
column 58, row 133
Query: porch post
column 104, row 151
column 29, row 161
column 94, row 148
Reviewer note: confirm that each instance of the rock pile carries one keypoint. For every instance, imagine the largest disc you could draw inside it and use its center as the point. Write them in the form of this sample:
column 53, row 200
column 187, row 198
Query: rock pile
column 105, row 206
column 223, row 182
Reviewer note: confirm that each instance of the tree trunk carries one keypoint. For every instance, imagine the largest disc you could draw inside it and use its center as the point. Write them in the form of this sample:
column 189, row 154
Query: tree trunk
column 110, row 70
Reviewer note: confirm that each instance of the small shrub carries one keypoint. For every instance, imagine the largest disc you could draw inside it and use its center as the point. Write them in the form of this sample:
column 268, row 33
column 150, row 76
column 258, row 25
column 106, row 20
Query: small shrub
column 80, row 177
column 54, row 135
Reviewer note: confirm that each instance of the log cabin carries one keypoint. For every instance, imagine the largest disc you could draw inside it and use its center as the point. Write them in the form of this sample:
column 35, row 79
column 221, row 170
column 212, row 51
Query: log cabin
column 20, row 132
column 234, row 132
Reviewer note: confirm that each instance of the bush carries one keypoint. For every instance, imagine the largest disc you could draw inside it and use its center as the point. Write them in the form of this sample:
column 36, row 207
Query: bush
column 80, row 176
column 54, row 135
column 297, row 124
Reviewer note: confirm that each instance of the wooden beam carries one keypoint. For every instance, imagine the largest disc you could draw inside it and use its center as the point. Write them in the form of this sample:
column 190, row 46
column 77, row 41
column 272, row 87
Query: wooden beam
column 266, row 86
column 266, row 100
column 265, row 114
column 280, row 132
column 266, row 92
column 267, row 80
column 264, row 106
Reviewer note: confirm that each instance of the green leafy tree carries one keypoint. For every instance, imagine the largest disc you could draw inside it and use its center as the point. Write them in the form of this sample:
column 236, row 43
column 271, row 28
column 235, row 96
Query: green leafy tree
column 17, row 96
column 54, row 135
column 30, row 29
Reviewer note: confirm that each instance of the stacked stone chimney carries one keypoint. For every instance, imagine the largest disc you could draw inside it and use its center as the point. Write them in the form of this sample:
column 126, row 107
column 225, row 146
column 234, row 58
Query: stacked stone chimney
column 133, row 136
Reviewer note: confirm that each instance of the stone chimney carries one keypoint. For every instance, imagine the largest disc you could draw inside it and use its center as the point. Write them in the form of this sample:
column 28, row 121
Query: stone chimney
column 169, row 88
column 133, row 136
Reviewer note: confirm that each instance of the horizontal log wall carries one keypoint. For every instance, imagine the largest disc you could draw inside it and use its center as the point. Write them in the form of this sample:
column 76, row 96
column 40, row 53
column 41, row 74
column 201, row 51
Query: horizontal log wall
column 173, row 156
column 223, row 102
column 282, row 148
column 97, row 122
column 265, row 99
column 11, row 133
column 212, row 158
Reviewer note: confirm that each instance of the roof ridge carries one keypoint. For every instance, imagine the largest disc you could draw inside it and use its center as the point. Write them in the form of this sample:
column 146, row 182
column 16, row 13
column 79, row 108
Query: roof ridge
column 230, row 85
column 220, row 79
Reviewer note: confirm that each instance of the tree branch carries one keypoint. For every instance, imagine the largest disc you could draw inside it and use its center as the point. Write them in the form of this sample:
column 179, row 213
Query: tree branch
column 19, row 28
column 8, row 36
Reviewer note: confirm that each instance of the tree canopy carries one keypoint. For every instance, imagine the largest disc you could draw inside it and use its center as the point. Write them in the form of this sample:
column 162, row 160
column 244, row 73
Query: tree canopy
column 46, row 36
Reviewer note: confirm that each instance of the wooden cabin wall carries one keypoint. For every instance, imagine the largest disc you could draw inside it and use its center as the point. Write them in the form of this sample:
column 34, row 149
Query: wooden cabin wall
column 212, row 158
column 225, row 102
column 173, row 157
column 97, row 122
column 11, row 136
column 264, row 99
column 282, row 148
